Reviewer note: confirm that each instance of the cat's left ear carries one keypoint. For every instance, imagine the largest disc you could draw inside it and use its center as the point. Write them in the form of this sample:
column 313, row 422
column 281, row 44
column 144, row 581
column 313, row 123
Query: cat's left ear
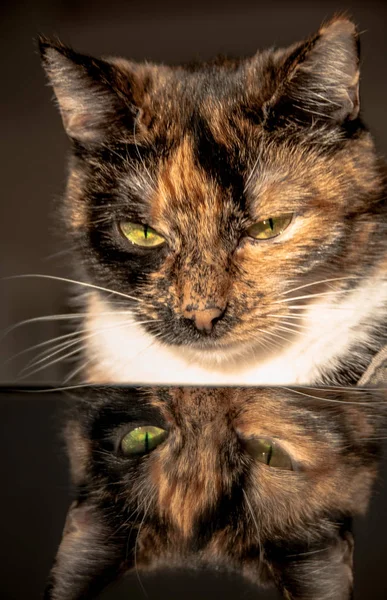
column 321, row 78
column 98, row 99
column 91, row 555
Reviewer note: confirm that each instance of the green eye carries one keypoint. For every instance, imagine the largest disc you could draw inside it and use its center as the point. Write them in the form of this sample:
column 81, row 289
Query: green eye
column 141, row 235
column 142, row 440
column 268, row 452
column 269, row 228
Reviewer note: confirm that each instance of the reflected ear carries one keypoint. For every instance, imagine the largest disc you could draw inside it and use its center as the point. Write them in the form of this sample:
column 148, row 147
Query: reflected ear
column 319, row 574
column 90, row 556
column 97, row 99
column 321, row 79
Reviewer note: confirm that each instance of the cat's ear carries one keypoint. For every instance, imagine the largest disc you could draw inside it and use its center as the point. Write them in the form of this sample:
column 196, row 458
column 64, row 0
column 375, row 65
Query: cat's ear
column 96, row 98
column 318, row 574
column 320, row 78
column 90, row 556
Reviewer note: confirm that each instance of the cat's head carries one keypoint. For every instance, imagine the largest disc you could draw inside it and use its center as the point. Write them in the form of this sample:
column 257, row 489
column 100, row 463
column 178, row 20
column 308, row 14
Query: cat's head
column 204, row 192
column 260, row 481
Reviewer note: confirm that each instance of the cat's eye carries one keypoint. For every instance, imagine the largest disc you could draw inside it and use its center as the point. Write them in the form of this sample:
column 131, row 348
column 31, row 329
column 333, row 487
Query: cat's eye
column 270, row 228
column 268, row 452
column 142, row 440
column 141, row 235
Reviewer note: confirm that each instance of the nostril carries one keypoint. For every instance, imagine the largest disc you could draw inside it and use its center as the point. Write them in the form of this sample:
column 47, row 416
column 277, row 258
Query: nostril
column 216, row 319
column 206, row 319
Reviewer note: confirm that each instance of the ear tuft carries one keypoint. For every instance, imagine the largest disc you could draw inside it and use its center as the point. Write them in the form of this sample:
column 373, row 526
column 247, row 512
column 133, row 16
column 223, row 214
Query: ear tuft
column 321, row 82
column 93, row 95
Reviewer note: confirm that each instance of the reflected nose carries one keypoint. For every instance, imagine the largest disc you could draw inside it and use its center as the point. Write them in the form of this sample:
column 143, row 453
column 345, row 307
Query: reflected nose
column 205, row 318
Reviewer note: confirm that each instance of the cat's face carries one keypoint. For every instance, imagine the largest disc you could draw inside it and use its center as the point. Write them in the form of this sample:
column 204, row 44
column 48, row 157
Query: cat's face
column 206, row 193
column 261, row 481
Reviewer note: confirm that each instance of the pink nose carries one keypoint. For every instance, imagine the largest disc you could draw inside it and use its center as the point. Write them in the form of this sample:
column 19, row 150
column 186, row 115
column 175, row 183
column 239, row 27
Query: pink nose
column 204, row 319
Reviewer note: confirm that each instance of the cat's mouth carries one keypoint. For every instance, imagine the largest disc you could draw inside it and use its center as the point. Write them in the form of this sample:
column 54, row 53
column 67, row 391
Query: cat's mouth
column 218, row 346
column 198, row 335
column 226, row 342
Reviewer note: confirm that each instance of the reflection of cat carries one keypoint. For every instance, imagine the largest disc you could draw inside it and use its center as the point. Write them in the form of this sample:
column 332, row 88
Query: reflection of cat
column 261, row 481
column 234, row 208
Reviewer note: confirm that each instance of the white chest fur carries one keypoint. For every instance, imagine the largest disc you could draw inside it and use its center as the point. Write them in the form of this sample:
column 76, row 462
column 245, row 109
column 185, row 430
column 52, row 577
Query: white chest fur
column 125, row 353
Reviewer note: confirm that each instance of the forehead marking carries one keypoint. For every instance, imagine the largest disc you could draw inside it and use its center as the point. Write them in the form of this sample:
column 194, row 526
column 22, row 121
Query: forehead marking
column 183, row 189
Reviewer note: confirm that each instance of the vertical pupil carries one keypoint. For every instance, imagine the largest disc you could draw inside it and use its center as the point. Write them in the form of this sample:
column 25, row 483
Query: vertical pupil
column 146, row 442
column 269, row 455
column 271, row 224
column 146, row 235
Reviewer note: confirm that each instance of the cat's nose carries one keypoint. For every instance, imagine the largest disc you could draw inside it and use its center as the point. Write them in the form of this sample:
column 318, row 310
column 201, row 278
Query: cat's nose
column 204, row 319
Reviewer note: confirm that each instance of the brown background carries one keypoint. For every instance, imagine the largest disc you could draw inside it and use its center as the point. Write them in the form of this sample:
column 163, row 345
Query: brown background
column 33, row 145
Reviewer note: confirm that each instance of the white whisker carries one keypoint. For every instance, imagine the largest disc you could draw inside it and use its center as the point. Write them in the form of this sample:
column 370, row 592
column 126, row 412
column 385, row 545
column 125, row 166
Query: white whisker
column 152, row 183
column 300, row 287
column 254, row 522
column 332, row 400
column 75, row 371
column 82, row 338
column 296, row 325
column 292, row 331
column 308, row 296
column 46, row 355
column 53, row 362
column 74, row 281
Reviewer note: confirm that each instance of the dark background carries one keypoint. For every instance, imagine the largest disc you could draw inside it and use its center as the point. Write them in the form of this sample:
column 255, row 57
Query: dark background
column 33, row 145
column 34, row 487
column 35, row 497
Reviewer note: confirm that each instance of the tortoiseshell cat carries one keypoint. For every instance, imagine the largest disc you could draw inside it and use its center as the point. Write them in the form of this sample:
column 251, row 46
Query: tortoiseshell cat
column 260, row 481
column 234, row 209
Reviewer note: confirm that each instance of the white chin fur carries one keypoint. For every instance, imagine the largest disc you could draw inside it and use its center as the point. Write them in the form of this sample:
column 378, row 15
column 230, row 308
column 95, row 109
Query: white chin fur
column 128, row 354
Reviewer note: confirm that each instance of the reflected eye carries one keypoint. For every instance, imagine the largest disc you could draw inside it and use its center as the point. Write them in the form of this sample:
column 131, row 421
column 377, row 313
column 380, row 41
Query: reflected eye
column 269, row 228
column 141, row 235
column 142, row 440
column 268, row 452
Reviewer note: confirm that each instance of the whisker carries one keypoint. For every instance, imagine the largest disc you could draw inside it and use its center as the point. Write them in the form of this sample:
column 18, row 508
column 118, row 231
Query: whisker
column 49, row 317
column 47, row 354
column 135, row 546
column 40, row 345
column 293, row 331
column 325, row 306
column 307, row 296
column 264, row 340
column 44, row 318
column 152, row 183
column 254, row 521
column 251, row 173
column 297, row 325
column 81, row 338
column 53, row 362
column 75, row 371
column 56, row 255
column 332, row 400
column 295, row 317
column 74, row 281
column 301, row 287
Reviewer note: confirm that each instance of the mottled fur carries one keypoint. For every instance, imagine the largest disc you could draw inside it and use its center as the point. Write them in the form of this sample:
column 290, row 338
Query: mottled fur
column 201, row 499
column 200, row 153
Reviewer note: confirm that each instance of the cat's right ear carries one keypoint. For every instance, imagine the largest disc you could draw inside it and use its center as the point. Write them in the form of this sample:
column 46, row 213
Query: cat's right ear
column 91, row 555
column 97, row 99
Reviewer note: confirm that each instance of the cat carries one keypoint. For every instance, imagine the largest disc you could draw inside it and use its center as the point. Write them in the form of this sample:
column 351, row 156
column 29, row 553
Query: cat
column 227, row 218
column 260, row 481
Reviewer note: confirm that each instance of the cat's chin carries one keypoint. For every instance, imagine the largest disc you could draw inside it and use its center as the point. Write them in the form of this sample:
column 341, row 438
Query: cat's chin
column 218, row 354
